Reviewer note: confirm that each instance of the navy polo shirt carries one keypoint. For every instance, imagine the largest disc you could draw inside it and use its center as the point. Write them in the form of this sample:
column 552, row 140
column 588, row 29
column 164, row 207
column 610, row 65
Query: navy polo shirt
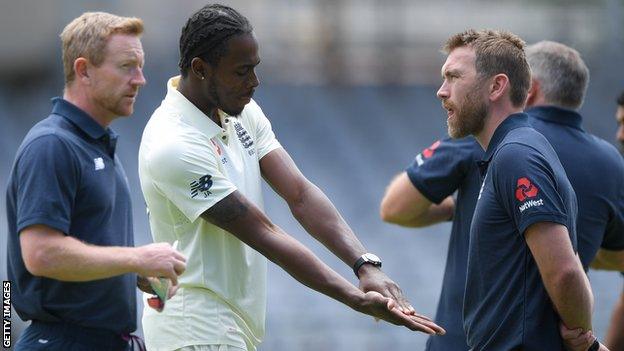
column 506, row 306
column 596, row 171
column 447, row 166
column 66, row 176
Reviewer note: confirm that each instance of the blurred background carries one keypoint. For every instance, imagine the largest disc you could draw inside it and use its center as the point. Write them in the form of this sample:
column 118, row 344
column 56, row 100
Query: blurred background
column 349, row 86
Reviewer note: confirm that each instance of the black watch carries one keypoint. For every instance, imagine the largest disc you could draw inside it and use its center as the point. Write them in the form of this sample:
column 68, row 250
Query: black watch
column 366, row 258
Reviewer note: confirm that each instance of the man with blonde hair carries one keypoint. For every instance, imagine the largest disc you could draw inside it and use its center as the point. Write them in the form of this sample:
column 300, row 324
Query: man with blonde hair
column 523, row 275
column 70, row 244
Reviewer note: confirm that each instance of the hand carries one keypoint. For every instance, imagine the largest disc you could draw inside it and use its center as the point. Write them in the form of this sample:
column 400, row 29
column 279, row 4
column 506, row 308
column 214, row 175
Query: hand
column 576, row 339
column 160, row 260
column 145, row 284
column 374, row 304
column 373, row 279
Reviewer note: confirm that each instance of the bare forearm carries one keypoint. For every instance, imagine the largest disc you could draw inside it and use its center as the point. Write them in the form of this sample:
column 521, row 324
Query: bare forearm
column 321, row 219
column 608, row 260
column 308, row 269
column 77, row 261
column 571, row 294
column 615, row 335
column 432, row 215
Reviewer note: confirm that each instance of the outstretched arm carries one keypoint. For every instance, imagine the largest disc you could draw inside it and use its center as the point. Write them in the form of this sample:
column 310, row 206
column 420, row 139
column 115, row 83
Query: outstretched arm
column 321, row 219
column 244, row 220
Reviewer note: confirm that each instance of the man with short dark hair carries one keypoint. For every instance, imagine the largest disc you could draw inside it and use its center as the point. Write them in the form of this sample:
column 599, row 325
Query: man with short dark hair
column 523, row 273
column 559, row 82
column 203, row 154
column 70, row 240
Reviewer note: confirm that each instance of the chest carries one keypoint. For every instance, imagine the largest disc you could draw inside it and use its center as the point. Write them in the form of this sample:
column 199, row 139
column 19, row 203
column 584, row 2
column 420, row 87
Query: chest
column 236, row 151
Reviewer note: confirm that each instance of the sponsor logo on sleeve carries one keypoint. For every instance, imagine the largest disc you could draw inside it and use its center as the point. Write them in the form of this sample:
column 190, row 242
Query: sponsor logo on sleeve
column 526, row 193
column 202, row 185
column 427, row 153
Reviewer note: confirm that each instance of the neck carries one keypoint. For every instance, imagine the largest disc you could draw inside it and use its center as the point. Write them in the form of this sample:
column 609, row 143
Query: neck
column 496, row 116
column 189, row 89
column 79, row 97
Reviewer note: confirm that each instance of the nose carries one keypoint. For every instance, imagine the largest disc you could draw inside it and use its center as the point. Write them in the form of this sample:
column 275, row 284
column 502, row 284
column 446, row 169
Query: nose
column 138, row 79
column 254, row 81
column 620, row 133
column 443, row 92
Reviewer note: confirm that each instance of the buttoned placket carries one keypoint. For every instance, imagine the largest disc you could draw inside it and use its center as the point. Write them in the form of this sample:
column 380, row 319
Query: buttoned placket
column 225, row 123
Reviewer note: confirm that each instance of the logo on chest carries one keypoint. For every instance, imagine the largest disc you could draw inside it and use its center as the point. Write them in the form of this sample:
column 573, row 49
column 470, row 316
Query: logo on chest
column 243, row 136
column 202, row 185
column 99, row 163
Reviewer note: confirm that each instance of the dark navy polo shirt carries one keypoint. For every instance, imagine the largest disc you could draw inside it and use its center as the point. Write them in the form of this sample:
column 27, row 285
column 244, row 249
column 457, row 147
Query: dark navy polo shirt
column 66, row 176
column 506, row 306
column 447, row 166
column 596, row 170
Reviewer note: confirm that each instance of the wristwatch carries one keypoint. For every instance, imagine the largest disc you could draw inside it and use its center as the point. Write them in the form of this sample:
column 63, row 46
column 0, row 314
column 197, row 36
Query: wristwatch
column 366, row 258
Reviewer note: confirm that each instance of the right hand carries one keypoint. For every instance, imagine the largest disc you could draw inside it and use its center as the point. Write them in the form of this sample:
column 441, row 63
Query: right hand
column 160, row 260
column 577, row 340
column 380, row 307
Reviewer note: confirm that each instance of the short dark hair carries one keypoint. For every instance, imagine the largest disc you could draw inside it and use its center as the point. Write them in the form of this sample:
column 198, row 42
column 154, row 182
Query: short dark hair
column 620, row 99
column 206, row 33
column 497, row 52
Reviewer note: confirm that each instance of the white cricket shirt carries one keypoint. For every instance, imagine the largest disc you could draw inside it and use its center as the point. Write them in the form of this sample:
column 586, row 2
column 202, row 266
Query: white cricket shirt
column 187, row 163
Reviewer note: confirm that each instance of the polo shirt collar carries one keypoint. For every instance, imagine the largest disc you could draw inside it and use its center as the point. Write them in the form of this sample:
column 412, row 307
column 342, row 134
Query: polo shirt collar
column 555, row 114
column 516, row 120
column 79, row 118
column 188, row 111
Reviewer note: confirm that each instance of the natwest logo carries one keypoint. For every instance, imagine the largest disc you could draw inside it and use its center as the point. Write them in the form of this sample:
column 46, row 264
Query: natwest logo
column 525, row 189
column 428, row 152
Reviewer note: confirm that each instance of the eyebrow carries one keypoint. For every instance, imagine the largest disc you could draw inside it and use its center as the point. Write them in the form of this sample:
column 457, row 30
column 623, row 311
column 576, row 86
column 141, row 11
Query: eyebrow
column 450, row 72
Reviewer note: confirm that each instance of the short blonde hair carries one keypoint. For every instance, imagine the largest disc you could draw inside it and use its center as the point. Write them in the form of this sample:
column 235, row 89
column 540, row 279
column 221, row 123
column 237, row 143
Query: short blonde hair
column 87, row 35
column 497, row 52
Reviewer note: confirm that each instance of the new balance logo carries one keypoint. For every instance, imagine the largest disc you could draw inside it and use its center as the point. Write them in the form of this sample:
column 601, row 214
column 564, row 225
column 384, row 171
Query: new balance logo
column 202, row 185
column 99, row 163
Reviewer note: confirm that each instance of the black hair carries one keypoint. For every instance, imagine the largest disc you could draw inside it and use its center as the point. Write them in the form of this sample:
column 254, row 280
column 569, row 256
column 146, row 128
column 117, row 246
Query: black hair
column 207, row 32
column 620, row 99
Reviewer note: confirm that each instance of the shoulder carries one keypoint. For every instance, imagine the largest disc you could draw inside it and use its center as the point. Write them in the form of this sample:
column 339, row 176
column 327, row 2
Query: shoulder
column 252, row 113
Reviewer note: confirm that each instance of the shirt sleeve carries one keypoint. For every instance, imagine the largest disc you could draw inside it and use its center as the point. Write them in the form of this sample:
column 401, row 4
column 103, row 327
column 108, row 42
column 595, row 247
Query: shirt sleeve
column 265, row 137
column 47, row 177
column 187, row 174
column 527, row 187
column 440, row 169
column 614, row 232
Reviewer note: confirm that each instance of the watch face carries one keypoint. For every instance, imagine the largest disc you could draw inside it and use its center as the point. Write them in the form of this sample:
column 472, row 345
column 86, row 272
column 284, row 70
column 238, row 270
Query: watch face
column 372, row 257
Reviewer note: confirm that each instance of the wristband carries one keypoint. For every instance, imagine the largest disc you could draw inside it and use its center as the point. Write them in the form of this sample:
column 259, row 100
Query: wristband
column 595, row 346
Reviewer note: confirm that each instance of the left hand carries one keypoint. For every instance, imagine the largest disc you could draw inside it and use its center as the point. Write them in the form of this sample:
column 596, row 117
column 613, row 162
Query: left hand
column 373, row 279
column 143, row 283
column 576, row 339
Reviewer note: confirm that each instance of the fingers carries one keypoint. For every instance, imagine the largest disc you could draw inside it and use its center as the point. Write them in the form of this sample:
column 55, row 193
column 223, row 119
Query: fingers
column 404, row 304
column 173, row 289
column 179, row 267
column 418, row 324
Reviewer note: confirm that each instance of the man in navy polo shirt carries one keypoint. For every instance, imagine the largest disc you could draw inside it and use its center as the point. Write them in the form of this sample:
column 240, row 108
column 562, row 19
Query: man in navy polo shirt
column 421, row 196
column 70, row 253
column 563, row 74
column 523, row 273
